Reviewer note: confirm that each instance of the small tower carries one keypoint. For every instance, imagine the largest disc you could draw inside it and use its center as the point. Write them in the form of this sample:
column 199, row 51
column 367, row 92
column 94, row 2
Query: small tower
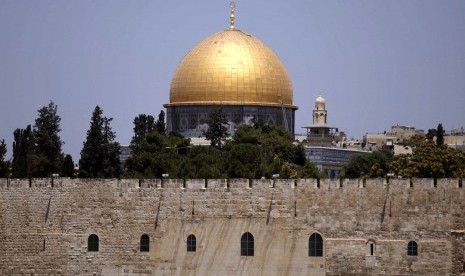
column 320, row 134
column 319, row 113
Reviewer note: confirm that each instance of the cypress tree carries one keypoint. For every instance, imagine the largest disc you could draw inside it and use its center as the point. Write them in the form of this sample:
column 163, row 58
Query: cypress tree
column 100, row 153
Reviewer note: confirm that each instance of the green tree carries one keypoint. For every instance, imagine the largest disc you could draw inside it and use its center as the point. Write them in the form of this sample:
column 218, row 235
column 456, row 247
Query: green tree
column 202, row 162
column 143, row 124
column 429, row 160
column 432, row 132
column 67, row 168
column 217, row 128
column 440, row 135
column 160, row 124
column 157, row 154
column 244, row 161
column 372, row 165
column 270, row 150
column 100, row 153
column 23, row 152
column 3, row 164
column 47, row 139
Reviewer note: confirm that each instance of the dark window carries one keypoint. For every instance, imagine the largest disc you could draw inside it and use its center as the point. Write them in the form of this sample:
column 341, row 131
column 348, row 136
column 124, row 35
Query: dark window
column 315, row 245
column 92, row 243
column 247, row 246
column 144, row 243
column 191, row 243
column 412, row 249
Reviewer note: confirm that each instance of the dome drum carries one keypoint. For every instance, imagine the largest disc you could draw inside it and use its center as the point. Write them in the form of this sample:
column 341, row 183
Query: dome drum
column 191, row 120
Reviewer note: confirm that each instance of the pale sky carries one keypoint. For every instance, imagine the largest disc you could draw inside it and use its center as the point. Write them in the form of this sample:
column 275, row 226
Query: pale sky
column 377, row 63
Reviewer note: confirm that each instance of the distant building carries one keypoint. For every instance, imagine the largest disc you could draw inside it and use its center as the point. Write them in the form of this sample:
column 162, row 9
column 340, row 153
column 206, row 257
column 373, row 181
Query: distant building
column 395, row 138
column 330, row 160
column 455, row 139
column 325, row 145
column 124, row 153
column 376, row 141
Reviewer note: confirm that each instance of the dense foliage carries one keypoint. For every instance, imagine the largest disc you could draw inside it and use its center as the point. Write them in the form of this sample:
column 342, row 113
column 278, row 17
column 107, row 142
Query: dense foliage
column 369, row 165
column 100, row 153
column 429, row 160
column 253, row 152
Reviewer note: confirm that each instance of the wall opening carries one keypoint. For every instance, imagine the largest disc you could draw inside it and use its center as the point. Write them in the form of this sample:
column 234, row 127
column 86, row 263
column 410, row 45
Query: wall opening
column 315, row 245
column 412, row 248
column 144, row 243
column 247, row 244
column 93, row 243
column 295, row 208
column 191, row 243
column 371, row 246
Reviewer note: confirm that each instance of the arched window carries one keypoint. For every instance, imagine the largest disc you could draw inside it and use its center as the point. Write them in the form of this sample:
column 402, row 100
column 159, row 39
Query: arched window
column 92, row 243
column 412, row 248
column 315, row 245
column 144, row 243
column 247, row 246
column 191, row 243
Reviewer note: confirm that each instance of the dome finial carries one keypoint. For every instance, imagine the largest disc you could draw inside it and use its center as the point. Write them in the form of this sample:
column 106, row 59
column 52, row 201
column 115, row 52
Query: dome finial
column 232, row 5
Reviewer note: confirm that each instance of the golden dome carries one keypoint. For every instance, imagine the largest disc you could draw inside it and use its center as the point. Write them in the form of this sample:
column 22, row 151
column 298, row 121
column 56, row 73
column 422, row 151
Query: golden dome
column 231, row 68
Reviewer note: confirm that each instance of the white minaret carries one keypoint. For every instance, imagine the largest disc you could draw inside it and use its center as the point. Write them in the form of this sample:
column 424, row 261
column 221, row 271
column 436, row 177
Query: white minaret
column 319, row 113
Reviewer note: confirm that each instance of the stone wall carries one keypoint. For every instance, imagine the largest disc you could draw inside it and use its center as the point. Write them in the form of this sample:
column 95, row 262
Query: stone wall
column 45, row 224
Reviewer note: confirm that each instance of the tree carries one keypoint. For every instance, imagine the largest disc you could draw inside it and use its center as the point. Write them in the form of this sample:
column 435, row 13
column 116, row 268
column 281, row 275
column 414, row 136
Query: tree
column 143, row 124
column 67, row 168
column 431, row 134
column 371, row 165
column 202, row 162
column 160, row 126
column 157, row 154
column 217, row 128
column 3, row 164
column 47, row 140
column 100, row 153
column 440, row 135
column 23, row 152
column 429, row 160
column 266, row 150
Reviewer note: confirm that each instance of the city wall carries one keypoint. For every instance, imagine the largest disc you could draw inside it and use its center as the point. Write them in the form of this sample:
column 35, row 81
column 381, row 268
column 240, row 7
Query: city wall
column 45, row 224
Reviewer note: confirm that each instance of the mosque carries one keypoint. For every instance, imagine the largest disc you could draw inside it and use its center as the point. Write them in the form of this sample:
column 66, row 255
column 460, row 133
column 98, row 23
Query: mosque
column 233, row 70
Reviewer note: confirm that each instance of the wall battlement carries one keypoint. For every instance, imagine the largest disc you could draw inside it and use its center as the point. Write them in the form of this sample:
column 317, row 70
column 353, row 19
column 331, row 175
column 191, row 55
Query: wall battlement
column 195, row 184
column 45, row 224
